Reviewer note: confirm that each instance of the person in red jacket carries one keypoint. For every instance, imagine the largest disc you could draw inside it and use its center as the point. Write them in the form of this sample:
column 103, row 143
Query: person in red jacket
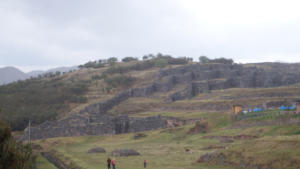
column 114, row 162
column 145, row 163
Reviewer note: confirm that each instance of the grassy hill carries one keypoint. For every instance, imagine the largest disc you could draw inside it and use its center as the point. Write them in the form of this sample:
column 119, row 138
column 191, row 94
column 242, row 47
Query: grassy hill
column 181, row 90
column 56, row 96
column 275, row 146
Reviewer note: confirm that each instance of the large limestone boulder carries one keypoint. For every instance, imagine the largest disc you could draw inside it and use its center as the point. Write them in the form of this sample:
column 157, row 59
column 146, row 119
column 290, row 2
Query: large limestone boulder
column 139, row 135
column 199, row 128
column 97, row 150
column 125, row 152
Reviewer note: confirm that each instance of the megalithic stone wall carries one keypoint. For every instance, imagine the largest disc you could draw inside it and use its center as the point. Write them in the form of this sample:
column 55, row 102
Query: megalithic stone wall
column 105, row 126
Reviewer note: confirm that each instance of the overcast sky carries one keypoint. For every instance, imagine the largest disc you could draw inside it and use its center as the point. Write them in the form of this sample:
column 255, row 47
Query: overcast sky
column 39, row 34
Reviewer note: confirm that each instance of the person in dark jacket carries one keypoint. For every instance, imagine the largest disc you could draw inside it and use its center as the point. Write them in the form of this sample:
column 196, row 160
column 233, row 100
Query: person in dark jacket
column 145, row 163
column 108, row 163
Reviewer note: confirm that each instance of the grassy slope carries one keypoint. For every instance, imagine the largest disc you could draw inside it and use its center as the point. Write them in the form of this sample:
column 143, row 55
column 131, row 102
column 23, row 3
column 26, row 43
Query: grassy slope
column 166, row 148
column 278, row 151
column 43, row 163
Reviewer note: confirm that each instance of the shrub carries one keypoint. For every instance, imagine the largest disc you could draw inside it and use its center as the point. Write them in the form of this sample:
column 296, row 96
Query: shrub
column 119, row 81
column 13, row 155
column 204, row 59
column 129, row 59
column 94, row 64
column 161, row 62
column 111, row 61
column 96, row 77
column 178, row 61
column 123, row 69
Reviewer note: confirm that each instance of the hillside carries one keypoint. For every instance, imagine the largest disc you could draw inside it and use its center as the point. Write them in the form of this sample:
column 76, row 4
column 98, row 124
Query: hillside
column 148, row 87
column 54, row 96
column 181, row 109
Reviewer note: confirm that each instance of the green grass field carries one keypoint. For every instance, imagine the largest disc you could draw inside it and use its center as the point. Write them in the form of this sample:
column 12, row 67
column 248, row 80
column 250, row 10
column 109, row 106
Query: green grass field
column 165, row 148
column 43, row 163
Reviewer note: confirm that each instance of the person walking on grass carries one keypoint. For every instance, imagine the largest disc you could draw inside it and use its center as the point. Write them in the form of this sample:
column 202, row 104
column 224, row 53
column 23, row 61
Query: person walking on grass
column 145, row 163
column 114, row 163
column 108, row 163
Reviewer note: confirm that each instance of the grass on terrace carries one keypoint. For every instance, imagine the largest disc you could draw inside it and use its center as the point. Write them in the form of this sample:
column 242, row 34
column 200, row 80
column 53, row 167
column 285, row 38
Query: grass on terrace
column 165, row 149
column 162, row 149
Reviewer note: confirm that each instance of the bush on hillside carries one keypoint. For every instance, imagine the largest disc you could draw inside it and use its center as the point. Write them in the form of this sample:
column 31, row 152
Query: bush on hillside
column 204, row 59
column 94, row 64
column 96, row 77
column 161, row 62
column 129, row 59
column 119, row 81
column 136, row 67
column 111, row 61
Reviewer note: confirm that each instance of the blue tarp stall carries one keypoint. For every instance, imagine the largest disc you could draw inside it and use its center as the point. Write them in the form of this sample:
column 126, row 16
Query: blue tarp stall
column 292, row 107
column 256, row 109
column 284, row 108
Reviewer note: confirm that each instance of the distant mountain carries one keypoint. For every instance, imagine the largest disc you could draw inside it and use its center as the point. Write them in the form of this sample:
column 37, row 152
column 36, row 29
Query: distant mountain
column 11, row 74
column 59, row 69
column 35, row 73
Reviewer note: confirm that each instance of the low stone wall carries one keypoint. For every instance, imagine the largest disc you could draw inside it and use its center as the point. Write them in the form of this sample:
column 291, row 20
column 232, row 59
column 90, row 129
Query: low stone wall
column 51, row 157
column 104, row 125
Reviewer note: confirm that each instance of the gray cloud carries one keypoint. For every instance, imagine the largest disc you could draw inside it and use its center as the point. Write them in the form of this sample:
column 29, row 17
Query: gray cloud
column 55, row 33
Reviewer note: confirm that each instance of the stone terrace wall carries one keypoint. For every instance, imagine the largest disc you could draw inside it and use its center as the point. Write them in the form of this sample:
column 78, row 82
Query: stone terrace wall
column 198, row 78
